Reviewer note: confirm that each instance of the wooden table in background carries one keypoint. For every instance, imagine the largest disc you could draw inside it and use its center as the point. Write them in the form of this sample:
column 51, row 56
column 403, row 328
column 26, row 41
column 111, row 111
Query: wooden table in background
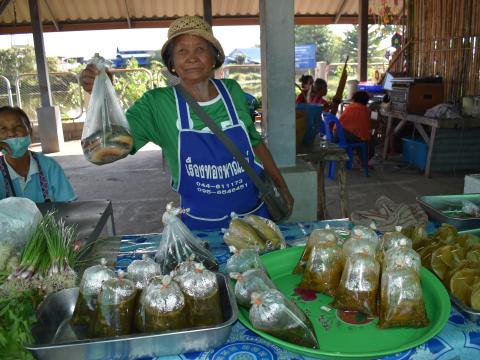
column 318, row 153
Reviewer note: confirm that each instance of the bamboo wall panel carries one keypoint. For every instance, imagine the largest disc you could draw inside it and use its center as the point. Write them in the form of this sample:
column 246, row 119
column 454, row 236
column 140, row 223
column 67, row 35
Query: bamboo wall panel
column 446, row 43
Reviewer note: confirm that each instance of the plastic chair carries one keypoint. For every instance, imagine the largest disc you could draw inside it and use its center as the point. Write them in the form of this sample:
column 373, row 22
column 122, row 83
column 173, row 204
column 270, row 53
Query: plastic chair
column 314, row 121
column 330, row 119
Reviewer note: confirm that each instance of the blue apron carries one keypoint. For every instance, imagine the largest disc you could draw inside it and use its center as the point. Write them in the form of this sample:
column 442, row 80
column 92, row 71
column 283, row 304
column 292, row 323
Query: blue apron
column 211, row 183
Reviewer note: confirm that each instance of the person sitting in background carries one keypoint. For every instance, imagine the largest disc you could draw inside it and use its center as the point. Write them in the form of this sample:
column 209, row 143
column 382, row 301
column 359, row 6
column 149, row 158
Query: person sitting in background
column 317, row 93
column 356, row 122
column 24, row 173
column 307, row 83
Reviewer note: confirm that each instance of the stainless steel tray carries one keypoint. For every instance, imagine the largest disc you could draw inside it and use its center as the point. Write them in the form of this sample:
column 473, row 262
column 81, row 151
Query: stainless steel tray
column 55, row 338
column 445, row 209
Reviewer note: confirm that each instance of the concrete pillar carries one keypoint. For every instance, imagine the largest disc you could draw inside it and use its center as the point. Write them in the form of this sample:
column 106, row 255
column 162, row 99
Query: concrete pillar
column 49, row 120
column 278, row 104
column 321, row 70
column 278, row 78
column 50, row 129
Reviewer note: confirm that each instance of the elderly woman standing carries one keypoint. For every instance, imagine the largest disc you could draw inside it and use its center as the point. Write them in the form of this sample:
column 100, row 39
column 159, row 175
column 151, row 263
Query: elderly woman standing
column 193, row 152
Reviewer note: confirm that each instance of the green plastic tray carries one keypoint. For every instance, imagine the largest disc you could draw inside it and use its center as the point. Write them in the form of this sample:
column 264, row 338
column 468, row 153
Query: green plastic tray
column 339, row 339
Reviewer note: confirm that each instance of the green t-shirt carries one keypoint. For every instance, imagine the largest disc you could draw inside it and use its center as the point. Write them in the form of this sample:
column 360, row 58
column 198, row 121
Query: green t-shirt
column 154, row 118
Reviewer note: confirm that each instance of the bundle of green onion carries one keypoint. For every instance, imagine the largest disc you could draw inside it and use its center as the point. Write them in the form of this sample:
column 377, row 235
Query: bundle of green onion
column 51, row 253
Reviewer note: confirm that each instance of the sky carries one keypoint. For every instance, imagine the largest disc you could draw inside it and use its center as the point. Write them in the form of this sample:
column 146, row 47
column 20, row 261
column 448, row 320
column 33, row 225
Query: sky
column 105, row 42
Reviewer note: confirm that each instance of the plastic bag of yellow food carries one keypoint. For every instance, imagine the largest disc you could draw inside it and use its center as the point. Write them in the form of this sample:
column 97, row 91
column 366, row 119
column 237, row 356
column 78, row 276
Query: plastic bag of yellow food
column 324, row 269
column 359, row 285
column 317, row 237
column 401, row 299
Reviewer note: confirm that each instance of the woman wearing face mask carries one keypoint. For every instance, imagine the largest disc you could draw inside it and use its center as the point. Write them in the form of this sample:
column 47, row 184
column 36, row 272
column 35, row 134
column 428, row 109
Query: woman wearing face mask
column 24, row 173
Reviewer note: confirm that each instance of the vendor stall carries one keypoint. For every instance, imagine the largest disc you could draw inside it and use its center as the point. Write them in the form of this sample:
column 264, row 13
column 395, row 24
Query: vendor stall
column 458, row 337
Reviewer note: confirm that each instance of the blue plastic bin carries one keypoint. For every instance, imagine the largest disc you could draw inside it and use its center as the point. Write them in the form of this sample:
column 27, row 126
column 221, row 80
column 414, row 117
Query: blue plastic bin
column 415, row 152
column 314, row 121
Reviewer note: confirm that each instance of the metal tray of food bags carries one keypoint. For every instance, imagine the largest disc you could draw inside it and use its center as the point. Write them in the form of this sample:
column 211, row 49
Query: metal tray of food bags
column 448, row 209
column 55, row 339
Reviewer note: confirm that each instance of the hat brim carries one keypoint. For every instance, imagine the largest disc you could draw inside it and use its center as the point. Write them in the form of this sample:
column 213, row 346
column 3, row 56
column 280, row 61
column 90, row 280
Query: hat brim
column 204, row 35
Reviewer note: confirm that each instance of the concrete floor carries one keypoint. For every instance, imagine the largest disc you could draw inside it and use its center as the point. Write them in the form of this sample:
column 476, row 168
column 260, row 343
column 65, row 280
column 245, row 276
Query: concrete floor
column 139, row 189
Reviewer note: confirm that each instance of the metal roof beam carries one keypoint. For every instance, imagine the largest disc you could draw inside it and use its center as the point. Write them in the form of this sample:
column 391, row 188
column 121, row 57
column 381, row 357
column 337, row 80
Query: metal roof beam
column 51, row 15
column 129, row 22
column 3, row 5
column 339, row 11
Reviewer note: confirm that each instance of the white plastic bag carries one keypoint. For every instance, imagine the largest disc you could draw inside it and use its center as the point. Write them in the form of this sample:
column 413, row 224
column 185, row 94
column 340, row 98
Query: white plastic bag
column 106, row 135
column 178, row 244
column 18, row 219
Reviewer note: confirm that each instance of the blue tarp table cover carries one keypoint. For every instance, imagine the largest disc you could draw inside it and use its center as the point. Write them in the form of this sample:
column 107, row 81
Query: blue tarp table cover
column 459, row 339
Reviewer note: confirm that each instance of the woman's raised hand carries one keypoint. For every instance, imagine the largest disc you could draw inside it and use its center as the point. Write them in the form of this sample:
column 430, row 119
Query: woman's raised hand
column 87, row 77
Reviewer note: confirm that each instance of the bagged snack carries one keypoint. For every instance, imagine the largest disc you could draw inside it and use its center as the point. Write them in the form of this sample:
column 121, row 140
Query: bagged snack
column 354, row 246
column 115, row 309
column 395, row 238
column 359, row 285
column 276, row 315
column 142, row 271
column 106, row 136
column 242, row 235
column 361, row 232
column 202, row 296
column 254, row 280
column 402, row 257
column 161, row 307
column 179, row 244
column 243, row 260
column 90, row 286
column 401, row 299
column 324, row 269
column 268, row 230
column 317, row 237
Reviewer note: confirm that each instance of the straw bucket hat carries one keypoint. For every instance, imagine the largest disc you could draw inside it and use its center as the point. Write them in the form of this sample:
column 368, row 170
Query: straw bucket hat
column 194, row 25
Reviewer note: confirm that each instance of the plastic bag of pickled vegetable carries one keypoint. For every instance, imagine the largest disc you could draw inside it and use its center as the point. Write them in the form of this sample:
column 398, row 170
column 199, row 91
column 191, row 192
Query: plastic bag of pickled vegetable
column 254, row 280
column 401, row 300
column 106, row 136
column 316, row 237
column 242, row 260
column 324, row 269
column 417, row 234
column 142, row 271
column 161, row 307
column 178, row 244
column 360, row 232
column 202, row 296
column 115, row 309
column 402, row 257
column 359, row 285
column 90, row 287
column 184, row 267
column 395, row 238
column 276, row 315
column 354, row 246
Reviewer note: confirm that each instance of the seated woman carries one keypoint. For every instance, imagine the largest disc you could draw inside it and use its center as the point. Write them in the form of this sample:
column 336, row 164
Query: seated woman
column 356, row 122
column 319, row 90
column 307, row 83
column 24, row 173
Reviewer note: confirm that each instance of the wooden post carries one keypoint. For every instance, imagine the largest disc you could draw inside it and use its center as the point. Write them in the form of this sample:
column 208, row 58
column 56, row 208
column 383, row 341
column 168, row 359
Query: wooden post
column 207, row 11
column 363, row 38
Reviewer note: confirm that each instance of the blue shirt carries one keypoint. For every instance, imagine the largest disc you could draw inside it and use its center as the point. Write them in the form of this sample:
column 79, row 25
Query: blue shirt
column 59, row 188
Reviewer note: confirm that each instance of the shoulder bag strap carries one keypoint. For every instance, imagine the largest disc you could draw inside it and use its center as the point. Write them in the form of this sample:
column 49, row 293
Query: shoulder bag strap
column 264, row 189
column 43, row 180
column 9, row 189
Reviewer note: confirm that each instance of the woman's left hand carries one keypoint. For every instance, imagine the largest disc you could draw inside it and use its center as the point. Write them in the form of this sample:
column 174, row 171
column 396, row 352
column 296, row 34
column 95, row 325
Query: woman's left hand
column 288, row 196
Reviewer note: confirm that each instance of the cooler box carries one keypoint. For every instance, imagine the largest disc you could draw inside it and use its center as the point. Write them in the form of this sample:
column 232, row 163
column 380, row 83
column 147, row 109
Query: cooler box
column 415, row 152
column 370, row 87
